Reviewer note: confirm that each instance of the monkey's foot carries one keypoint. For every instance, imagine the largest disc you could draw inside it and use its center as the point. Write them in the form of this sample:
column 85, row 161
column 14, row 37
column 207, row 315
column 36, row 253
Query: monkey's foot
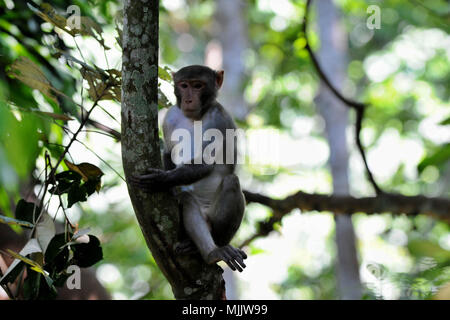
column 233, row 257
column 185, row 247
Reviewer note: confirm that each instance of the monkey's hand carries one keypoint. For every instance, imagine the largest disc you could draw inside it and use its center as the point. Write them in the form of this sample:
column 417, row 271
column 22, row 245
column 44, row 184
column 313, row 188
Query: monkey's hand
column 153, row 181
column 233, row 257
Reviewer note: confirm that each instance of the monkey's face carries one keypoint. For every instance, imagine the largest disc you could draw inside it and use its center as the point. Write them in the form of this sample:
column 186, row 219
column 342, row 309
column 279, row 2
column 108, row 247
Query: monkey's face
column 196, row 89
column 190, row 97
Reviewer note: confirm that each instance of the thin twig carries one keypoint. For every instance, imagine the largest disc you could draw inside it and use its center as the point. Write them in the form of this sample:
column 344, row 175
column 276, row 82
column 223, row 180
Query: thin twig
column 63, row 154
column 49, row 161
column 104, row 161
column 358, row 106
column 74, row 137
column 99, row 132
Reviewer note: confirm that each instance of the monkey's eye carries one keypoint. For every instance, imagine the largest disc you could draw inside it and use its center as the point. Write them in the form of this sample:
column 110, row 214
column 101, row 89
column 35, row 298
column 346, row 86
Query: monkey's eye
column 198, row 85
column 183, row 85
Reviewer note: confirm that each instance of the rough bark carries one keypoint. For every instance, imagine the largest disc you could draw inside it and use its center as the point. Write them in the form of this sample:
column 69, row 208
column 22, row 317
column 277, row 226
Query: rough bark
column 157, row 214
column 332, row 57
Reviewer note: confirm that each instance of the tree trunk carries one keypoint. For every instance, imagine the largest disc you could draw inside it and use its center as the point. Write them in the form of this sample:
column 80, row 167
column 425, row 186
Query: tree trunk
column 157, row 214
column 332, row 57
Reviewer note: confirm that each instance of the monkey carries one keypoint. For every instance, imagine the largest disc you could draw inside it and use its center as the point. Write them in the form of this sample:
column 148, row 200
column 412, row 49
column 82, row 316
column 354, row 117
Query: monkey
column 210, row 194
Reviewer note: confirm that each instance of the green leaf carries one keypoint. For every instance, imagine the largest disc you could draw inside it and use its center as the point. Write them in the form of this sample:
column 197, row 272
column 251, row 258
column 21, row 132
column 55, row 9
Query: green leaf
column 91, row 28
column 68, row 175
column 13, row 271
column 76, row 194
column 91, row 186
column 254, row 250
column 31, row 285
column 30, row 74
column 163, row 101
column 62, row 187
column 163, row 73
column 38, row 286
column 57, row 254
column 445, row 122
column 65, row 181
column 19, row 142
column 55, row 150
column 49, row 281
column 427, row 248
column 87, row 254
column 45, row 231
column 87, row 170
column 60, row 279
column 33, row 264
column 12, row 221
column 26, row 211
column 441, row 156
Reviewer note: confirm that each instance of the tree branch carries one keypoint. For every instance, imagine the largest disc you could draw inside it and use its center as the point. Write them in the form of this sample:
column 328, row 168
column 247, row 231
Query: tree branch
column 358, row 106
column 386, row 202
column 114, row 133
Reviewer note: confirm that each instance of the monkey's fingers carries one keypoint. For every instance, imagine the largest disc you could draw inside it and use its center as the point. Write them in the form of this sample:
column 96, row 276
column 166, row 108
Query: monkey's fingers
column 234, row 258
column 237, row 264
column 240, row 261
column 146, row 181
column 242, row 253
column 227, row 258
column 237, row 256
column 232, row 264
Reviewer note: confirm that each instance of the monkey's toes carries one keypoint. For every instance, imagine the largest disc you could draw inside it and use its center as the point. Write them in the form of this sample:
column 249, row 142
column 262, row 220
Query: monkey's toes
column 233, row 258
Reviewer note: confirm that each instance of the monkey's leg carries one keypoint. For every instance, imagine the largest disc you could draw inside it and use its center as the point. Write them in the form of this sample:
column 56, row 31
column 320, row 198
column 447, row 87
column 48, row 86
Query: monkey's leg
column 198, row 228
column 229, row 211
column 225, row 221
column 196, row 225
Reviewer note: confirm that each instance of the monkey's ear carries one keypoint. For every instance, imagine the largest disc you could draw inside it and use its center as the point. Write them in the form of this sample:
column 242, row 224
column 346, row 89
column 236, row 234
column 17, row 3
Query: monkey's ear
column 173, row 76
column 219, row 78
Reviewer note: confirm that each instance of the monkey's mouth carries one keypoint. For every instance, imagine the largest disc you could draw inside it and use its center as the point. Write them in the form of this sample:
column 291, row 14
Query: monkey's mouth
column 190, row 110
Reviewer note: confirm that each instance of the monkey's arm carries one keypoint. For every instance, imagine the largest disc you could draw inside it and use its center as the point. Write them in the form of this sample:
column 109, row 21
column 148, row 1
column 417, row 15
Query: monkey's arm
column 187, row 174
column 160, row 180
